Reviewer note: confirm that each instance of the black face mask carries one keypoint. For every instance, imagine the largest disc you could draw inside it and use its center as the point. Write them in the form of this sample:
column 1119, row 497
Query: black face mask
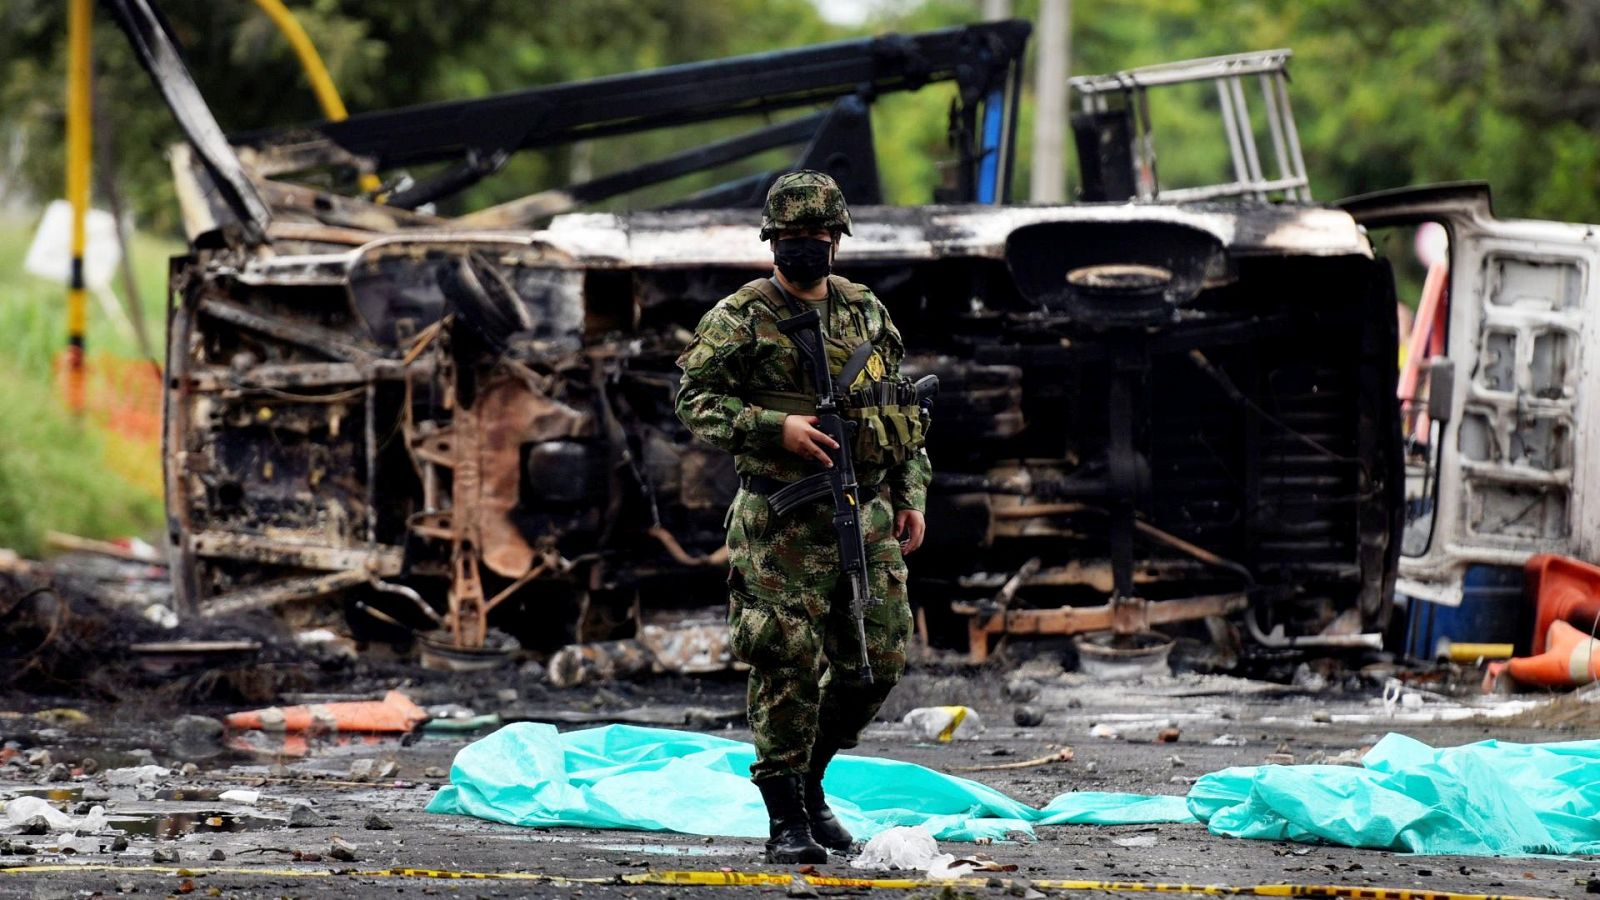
column 804, row 261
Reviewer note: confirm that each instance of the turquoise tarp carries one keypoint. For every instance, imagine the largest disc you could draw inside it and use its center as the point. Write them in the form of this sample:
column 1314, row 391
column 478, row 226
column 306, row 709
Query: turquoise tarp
column 625, row 776
column 1483, row 799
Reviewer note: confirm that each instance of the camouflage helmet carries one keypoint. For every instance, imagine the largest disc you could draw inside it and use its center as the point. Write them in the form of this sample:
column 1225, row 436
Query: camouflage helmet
column 804, row 199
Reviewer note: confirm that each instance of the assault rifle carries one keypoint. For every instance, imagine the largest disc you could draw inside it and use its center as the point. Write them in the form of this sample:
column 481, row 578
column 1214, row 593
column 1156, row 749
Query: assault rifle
column 805, row 329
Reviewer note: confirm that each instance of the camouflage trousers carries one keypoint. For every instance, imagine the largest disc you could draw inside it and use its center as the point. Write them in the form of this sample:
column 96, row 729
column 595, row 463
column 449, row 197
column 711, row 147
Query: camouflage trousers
column 789, row 619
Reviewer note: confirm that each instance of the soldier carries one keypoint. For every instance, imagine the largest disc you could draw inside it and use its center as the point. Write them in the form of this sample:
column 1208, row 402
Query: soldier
column 744, row 391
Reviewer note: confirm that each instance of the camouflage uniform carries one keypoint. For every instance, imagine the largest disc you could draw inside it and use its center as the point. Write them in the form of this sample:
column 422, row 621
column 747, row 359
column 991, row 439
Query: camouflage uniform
column 789, row 606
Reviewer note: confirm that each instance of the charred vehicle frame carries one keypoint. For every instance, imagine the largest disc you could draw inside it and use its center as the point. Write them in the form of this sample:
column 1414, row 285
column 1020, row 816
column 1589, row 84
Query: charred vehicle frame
column 1153, row 413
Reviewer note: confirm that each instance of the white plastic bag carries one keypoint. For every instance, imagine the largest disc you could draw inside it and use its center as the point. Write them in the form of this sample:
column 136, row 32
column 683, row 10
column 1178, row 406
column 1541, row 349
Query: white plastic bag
column 909, row 847
column 22, row 809
column 137, row 775
column 944, row 723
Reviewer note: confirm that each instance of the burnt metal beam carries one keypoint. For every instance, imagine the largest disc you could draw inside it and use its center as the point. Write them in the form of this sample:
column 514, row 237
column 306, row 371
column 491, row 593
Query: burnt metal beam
column 525, row 210
column 1069, row 620
column 977, row 55
column 151, row 37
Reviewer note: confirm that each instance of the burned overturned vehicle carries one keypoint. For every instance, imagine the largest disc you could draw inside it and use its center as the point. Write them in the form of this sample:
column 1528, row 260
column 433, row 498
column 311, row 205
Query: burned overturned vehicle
column 1154, row 414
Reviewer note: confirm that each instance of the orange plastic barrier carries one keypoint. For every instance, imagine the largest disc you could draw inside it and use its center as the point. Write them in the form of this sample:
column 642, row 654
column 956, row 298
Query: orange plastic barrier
column 1573, row 659
column 394, row 713
column 124, row 395
column 1562, row 590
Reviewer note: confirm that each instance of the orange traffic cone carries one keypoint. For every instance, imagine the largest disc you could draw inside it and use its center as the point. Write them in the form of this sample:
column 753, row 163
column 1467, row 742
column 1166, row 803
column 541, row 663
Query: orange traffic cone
column 1573, row 659
column 1562, row 589
column 394, row 713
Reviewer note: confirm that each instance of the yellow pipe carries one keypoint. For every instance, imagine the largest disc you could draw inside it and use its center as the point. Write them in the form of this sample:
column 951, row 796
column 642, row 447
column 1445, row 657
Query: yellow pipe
column 316, row 72
column 79, row 123
column 1468, row 654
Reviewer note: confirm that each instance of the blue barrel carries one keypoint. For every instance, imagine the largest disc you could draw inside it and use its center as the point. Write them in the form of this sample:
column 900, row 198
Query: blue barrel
column 1493, row 610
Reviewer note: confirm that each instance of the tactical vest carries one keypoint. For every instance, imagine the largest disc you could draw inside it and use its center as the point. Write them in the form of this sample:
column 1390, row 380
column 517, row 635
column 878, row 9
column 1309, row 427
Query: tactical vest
column 891, row 426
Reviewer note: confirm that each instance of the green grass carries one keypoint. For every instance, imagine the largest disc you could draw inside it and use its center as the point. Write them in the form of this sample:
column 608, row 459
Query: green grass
column 33, row 310
column 54, row 475
column 58, row 471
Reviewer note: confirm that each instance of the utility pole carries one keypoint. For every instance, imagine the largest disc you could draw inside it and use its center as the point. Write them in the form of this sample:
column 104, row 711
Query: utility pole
column 1048, row 183
column 78, row 125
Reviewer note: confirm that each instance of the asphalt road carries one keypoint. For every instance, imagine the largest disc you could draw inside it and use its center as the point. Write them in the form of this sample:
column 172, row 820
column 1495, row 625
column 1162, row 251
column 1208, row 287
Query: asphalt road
column 259, row 858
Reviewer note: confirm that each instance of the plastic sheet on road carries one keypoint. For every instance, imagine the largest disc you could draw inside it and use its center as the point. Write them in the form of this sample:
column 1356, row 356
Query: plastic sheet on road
column 653, row 779
column 1481, row 799
column 1484, row 799
column 1097, row 808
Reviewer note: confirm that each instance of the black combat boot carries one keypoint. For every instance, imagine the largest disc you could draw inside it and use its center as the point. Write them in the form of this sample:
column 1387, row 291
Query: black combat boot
column 825, row 826
column 786, row 809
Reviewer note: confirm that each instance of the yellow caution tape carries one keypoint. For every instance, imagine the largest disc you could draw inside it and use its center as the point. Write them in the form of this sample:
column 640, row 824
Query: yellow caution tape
column 779, row 879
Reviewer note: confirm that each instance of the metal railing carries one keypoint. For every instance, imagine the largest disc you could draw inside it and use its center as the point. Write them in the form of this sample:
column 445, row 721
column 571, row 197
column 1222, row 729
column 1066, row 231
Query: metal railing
column 1128, row 92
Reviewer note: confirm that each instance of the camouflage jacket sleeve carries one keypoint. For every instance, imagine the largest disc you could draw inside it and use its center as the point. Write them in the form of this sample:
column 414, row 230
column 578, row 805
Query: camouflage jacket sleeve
column 715, row 365
column 908, row 481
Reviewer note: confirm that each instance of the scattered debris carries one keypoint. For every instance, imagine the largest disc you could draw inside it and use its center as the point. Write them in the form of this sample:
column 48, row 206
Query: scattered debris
column 905, row 847
column 163, row 657
column 1228, row 740
column 1022, row 690
column 197, row 730
column 1104, row 731
column 1138, row 840
column 944, row 723
column 395, row 713
column 1027, row 716
column 342, row 850
column 165, row 855
column 1065, row 754
column 62, row 716
column 1279, row 759
column 240, row 795
column 128, row 549
column 375, row 822
column 301, row 815
column 1350, row 757
column 977, row 862
column 28, row 811
column 137, row 775
column 1168, row 735
column 687, row 648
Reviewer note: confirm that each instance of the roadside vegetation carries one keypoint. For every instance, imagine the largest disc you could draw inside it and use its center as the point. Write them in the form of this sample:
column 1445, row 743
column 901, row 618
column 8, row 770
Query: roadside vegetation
column 58, row 471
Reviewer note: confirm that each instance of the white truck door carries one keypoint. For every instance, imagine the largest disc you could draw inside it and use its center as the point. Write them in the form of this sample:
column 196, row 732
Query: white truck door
column 1514, row 468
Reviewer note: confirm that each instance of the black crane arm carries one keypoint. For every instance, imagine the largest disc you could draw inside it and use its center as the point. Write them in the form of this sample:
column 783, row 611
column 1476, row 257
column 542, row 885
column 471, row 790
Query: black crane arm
column 980, row 58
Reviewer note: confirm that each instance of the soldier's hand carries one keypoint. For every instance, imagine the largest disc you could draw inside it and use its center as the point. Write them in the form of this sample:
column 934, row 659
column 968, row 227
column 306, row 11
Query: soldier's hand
column 909, row 527
column 801, row 436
